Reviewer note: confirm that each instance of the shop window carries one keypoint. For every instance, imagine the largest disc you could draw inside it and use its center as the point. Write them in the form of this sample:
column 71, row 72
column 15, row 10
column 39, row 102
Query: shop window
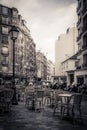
column 5, row 39
column 4, row 10
column 4, row 30
column 4, row 50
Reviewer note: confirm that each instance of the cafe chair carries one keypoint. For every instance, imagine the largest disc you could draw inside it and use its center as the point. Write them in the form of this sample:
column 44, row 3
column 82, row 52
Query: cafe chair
column 30, row 99
column 57, row 103
column 39, row 100
column 6, row 100
column 74, row 107
column 47, row 95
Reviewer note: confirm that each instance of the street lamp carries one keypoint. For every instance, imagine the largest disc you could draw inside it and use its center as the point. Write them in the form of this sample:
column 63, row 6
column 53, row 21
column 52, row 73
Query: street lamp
column 14, row 34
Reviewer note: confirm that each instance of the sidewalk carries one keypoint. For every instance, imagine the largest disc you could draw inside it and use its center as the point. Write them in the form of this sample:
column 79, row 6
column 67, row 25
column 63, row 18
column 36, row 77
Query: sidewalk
column 22, row 119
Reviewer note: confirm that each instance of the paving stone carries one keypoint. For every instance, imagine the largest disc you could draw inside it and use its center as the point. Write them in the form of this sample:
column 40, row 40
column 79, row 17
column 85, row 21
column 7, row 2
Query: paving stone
column 22, row 119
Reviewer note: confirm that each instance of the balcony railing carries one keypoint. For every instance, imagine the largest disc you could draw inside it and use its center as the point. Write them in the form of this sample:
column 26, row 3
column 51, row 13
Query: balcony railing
column 79, row 21
column 79, row 6
column 84, row 9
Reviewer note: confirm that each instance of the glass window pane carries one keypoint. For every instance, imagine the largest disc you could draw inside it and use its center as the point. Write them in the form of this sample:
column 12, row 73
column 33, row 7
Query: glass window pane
column 4, row 39
column 14, row 20
column 15, row 14
column 4, row 68
column 4, row 60
column 4, row 20
column 4, row 50
column 4, row 10
column 4, row 30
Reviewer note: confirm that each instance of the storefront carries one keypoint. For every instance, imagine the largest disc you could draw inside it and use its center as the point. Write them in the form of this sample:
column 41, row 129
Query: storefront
column 81, row 76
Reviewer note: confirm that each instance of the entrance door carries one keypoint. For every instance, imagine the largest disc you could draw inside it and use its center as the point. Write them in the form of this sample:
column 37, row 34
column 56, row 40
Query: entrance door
column 71, row 78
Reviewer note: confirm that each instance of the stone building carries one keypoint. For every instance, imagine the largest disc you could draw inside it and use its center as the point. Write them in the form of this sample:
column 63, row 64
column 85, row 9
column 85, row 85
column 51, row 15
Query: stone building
column 50, row 70
column 68, row 68
column 25, row 48
column 81, row 71
column 41, row 61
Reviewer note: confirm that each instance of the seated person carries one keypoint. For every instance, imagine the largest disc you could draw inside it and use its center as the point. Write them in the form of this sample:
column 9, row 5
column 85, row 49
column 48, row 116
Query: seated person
column 82, row 88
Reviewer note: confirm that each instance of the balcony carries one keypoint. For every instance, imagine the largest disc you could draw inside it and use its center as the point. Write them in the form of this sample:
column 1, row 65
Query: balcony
column 79, row 21
column 79, row 6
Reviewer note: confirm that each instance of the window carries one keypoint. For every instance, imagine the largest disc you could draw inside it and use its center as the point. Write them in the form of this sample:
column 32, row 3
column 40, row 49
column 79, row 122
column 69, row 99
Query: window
column 4, row 10
column 5, row 20
column 77, row 63
column 5, row 69
column 85, row 21
column 4, row 50
column 4, row 60
column 85, row 60
column 85, row 41
column 84, row 3
column 14, row 20
column 14, row 12
column 5, row 39
column 4, row 30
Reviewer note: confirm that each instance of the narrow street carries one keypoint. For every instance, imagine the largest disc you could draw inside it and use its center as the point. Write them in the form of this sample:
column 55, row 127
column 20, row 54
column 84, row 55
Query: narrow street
column 21, row 118
column 43, row 65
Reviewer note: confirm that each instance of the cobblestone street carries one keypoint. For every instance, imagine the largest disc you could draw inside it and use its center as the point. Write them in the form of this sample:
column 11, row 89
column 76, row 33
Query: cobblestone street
column 21, row 118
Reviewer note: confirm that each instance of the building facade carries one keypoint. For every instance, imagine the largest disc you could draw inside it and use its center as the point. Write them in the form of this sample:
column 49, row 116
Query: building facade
column 81, row 71
column 50, row 70
column 68, row 68
column 25, row 48
column 41, row 61
column 65, row 47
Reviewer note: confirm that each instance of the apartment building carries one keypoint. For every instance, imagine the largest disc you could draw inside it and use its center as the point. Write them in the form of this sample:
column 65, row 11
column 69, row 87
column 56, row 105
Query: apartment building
column 41, row 61
column 65, row 47
column 50, row 70
column 68, row 68
column 81, row 71
column 25, row 48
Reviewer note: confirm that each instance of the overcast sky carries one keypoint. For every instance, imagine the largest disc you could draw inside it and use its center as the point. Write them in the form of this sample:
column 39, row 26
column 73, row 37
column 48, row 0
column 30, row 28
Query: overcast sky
column 46, row 19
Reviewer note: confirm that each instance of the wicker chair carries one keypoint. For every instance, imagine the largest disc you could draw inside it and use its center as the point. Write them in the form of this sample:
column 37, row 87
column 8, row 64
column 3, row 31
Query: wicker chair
column 5, row 99
column 58, row 102
column 30, row 99
column 74, row 107
column 39, row 100
column 48, row 97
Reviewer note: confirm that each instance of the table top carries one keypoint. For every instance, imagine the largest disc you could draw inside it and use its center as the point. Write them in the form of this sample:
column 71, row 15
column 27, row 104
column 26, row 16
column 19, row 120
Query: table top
column 65, row 94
